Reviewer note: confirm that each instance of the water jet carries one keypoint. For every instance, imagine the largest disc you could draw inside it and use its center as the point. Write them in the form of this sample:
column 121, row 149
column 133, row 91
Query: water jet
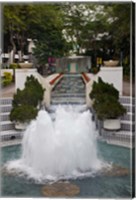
column 61, row 148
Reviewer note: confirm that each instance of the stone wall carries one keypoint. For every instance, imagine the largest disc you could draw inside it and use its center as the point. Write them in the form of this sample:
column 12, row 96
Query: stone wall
column 83, row 63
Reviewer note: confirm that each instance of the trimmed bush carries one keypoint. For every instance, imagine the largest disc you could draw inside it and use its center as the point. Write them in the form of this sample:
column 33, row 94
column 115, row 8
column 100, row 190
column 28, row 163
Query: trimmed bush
column 34, row 86
column 32, row 94
column 7, row 78
column 25, row 101
column 106, row 102
column 101, row 88
column 23, row 113
column 107, row 107
column 14, row 66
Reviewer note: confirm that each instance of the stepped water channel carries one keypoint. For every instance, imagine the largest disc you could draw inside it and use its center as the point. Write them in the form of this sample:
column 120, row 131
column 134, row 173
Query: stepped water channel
column 70, row 90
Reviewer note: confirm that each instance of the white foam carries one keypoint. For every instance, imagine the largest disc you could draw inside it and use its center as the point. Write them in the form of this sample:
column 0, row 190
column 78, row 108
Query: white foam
column 60, row 149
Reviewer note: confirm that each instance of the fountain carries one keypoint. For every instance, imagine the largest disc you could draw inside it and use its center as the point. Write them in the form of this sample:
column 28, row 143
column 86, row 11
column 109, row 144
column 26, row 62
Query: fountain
column 61, row 149
column 60, row 156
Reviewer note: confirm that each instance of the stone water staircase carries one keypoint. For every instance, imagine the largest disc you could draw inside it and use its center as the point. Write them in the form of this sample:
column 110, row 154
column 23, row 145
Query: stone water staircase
column 70, row 90
column 7, row 128
column 126, row 136
column 128, row 120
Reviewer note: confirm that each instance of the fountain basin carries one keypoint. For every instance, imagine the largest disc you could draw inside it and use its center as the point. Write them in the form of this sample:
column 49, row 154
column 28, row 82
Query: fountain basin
column 61, row 189
column 102, row 185
column 65, row 149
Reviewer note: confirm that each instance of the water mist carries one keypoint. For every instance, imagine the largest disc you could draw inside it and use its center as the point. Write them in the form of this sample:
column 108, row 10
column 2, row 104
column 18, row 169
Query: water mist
column 57, row 149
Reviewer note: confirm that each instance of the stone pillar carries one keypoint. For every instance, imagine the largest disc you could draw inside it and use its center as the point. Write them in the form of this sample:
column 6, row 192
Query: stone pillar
column 11, row 54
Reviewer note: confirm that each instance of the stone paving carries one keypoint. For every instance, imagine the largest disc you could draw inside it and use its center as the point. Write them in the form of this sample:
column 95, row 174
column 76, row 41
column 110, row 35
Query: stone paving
column 8, row 91
column 10, row 142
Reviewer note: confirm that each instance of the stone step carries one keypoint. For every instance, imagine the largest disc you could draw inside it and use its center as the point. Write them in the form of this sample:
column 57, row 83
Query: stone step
column 126, row 144
column 68, row 100
column 11, row 142
column 55, row 94
column 128, row 116
column 69, row 89
column 5, row 108
column 127, row 122
column 4, row 116
column 123, row 133
column 5, row 101
column 76, row 107
column 7, row 125
column 129, row 108
column 72, row 75
column 120, row 133
column 128, row 125
column 10, row 134
column 127, row 100
column 121, row 138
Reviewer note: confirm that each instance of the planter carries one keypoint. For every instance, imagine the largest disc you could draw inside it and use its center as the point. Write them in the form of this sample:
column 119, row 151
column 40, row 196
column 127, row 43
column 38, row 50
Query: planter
column 111, row 63
column 112, row 124
column 21, row 125
column 26, row 65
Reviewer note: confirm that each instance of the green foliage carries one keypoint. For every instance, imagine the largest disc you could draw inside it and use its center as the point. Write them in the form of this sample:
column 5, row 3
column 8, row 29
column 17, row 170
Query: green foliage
column 14, row 66
column 47, row 29
column 23, row 113
column 94, row 70
column 101, row 88
column 107, row 107
column 42, row 22
column 25, row 101
column 60, row 27
column 35, row 88
column 32, row 94
column 106, row 102
column 7, row 79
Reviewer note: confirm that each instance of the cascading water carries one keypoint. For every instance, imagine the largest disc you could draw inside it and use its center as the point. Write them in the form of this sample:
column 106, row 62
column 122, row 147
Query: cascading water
column 59, row 149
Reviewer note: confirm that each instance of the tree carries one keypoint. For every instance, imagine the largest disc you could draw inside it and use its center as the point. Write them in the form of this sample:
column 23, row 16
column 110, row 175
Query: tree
column 42, row 22
column 47, row 29
column 17, row 20
column 101, row 30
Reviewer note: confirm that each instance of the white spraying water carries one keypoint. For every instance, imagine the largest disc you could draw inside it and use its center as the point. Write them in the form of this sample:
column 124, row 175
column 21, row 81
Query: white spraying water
column 60, row 149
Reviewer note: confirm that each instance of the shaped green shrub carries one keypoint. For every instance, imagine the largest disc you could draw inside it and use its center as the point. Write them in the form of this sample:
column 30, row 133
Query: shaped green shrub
column 106, row 100
column 25, row 101
column 23, row 113
column 14, row 66
column 101, row 88
column 35, row 87
column 7, row 78
column 32, row 94
column 108, row 107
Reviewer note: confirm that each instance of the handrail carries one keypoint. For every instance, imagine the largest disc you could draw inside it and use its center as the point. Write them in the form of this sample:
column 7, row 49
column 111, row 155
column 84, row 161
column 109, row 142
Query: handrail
column 87, row 79
column 57, row 77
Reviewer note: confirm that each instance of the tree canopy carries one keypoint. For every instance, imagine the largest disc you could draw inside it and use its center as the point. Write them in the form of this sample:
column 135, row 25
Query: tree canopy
column 95, row 29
